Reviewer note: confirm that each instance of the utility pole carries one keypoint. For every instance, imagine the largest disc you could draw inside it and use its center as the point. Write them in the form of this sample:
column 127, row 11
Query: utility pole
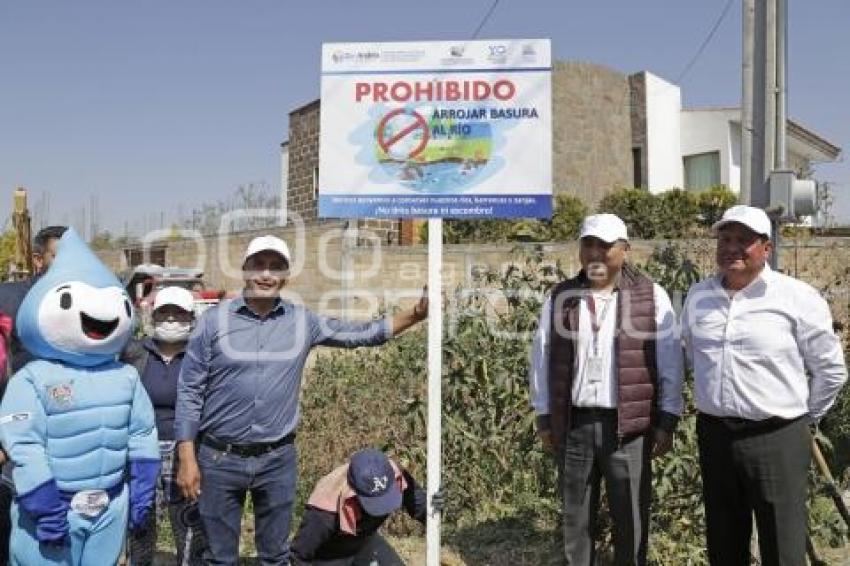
column 766, row 182
column 758, row 100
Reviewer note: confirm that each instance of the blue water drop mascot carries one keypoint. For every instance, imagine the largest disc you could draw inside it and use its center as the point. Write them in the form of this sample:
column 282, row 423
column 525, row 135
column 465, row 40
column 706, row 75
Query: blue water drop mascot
column 76, row 423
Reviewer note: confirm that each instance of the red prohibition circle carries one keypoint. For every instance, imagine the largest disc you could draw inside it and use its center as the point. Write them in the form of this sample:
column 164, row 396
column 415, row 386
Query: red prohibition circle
column 419, row 123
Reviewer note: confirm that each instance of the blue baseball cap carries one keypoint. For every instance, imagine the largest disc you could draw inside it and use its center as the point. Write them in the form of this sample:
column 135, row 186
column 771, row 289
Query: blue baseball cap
column 372, row 477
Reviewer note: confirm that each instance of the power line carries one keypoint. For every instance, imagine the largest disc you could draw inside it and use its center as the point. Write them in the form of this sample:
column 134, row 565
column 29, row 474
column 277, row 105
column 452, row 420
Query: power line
column 485, row 18
column 705, row 42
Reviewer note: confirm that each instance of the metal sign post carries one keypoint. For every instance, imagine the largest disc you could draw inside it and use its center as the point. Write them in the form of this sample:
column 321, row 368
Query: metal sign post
column 436, row 129
column 435, row 365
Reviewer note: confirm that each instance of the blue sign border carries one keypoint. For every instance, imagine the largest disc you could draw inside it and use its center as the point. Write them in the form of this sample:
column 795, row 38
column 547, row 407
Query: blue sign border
column 435, row 206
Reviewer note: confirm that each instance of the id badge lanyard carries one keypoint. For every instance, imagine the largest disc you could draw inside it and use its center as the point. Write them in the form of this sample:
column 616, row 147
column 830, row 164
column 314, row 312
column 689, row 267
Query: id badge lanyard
column 595, row 365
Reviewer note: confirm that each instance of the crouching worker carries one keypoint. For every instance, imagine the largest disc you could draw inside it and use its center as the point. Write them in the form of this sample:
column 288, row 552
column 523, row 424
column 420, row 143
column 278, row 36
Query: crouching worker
column 349, row 505
column 76, row 423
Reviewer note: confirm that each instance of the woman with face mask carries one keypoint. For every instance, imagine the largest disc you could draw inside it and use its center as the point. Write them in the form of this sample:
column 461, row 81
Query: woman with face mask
column 158, row 359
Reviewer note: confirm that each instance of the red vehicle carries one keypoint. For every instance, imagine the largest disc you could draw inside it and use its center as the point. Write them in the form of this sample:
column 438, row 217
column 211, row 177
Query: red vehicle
column 144, row 281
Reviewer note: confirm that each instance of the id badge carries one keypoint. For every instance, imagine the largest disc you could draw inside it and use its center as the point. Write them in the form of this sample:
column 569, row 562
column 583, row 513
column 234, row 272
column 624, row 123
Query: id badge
column 595, row 369
column 90, row 502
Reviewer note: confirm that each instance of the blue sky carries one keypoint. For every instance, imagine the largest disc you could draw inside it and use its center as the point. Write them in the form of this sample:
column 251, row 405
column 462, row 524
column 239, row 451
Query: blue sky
column 159, row 105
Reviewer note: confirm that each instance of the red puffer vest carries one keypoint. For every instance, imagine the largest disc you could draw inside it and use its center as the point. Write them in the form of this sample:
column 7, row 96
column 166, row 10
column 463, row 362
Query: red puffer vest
column 634, row 345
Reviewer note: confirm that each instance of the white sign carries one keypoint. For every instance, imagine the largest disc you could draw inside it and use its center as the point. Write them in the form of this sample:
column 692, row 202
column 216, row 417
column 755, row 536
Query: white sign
column 436, row 129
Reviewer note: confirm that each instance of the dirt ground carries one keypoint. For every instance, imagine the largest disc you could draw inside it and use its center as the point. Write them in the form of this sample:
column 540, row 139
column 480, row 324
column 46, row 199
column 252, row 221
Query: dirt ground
column 494, row 547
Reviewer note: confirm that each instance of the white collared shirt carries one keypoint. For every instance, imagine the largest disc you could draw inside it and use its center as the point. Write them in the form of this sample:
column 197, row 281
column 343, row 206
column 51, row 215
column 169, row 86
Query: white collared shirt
column 750, row 353
column 604, row 393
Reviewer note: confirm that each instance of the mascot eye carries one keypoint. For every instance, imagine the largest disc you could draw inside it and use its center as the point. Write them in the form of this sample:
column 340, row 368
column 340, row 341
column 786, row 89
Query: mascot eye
column 65, row 301
column 127, row 308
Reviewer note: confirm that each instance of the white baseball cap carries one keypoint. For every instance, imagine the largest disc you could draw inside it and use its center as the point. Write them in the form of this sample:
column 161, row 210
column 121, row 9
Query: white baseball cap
column 753, row 218
column 607, row 227
column 267, row 243
column 177, row 296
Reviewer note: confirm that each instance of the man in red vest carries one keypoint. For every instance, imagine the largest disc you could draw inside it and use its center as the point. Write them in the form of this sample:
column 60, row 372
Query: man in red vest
column 606, row 384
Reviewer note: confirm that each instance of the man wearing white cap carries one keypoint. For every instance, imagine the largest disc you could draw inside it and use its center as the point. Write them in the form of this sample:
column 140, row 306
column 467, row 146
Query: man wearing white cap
column 158, row 359
column 766, row 364
column 238, row 402
column 606, row 384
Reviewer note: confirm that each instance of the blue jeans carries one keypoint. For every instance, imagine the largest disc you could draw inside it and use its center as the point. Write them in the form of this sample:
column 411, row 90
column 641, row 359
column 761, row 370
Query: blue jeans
column 225, row 480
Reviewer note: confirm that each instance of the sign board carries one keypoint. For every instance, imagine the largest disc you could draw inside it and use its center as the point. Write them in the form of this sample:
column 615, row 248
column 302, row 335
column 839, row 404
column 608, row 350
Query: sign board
column 436, row 129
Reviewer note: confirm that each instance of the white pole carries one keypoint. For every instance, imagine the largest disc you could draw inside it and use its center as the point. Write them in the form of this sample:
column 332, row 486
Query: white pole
column 435, row 366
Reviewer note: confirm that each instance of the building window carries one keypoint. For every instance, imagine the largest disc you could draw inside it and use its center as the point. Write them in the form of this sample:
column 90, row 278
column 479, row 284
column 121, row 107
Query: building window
column 637, row 168
column 316, row 182
column 702, row 170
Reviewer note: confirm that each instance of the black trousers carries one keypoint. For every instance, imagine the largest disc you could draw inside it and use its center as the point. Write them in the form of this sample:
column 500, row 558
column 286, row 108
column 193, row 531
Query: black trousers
column 6, row 496
column 377, row 552
column 760, row 468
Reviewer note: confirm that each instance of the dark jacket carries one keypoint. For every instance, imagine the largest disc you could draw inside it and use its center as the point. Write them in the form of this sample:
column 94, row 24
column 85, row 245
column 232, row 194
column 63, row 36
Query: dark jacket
column 11, row 296
column 160, row 380
column 321, row 536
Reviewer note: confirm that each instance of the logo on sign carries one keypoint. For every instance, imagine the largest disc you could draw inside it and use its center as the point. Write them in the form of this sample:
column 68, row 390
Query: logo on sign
column 340, row 56
column 457, row 50
column 497, row 53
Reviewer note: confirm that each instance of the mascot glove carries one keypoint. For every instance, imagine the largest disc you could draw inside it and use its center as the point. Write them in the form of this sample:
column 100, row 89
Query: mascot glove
column 49, row 510
column 143, row 474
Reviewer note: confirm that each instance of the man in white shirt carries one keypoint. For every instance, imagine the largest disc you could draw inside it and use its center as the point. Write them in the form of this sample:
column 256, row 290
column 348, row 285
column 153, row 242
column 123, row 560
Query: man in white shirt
column 606, row 384
column 751, row 336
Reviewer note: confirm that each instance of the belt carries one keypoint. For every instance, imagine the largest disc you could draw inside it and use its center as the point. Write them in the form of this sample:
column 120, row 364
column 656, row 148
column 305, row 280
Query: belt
column 738, row 424
column 593, row 411
column 112, row 492
column 246, row 450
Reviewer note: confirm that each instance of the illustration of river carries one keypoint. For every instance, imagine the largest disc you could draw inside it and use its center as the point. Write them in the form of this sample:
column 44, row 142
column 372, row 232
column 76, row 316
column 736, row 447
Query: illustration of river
column 435, row 177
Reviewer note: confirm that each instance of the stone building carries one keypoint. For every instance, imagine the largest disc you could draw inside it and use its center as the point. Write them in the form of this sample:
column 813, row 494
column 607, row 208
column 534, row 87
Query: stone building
column 610, row 131
column 591, row 139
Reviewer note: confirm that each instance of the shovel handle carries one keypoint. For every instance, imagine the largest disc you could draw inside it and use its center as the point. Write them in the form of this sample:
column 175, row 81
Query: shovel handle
column 821, row 461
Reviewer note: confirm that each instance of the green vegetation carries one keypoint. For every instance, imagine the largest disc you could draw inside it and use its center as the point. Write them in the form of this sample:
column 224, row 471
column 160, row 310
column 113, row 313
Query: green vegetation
column 502, row 491
column 671, row 214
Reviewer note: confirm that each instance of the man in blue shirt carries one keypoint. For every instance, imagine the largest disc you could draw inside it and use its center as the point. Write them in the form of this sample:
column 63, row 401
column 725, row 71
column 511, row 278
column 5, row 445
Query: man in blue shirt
column 238, row 401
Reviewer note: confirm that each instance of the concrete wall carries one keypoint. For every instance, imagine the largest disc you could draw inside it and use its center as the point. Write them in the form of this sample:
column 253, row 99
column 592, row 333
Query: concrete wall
column 664, row 156
column 333, row 275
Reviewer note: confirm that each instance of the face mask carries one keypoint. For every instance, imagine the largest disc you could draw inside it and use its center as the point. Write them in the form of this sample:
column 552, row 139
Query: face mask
column 172, row 331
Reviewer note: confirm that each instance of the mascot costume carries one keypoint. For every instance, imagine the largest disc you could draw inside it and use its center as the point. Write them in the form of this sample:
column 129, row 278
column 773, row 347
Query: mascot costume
column 76, row 423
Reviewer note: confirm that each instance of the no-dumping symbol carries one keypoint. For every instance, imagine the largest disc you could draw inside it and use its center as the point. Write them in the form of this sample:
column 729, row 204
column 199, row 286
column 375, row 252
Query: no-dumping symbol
column 397, row 134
